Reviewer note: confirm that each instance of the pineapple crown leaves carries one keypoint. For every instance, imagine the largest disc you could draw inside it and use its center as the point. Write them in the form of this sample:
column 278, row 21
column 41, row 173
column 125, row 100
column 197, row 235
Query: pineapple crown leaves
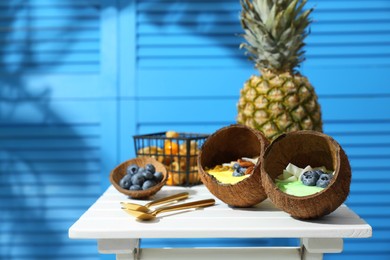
column 274, row 32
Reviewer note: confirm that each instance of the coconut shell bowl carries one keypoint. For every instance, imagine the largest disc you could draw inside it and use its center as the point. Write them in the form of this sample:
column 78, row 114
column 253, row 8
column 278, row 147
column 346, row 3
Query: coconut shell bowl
column 119, row 171
column 304, row 148
column 226, row 145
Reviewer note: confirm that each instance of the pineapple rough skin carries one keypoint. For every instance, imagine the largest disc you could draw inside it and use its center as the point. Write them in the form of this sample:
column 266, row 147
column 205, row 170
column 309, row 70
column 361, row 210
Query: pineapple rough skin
column 275, row 104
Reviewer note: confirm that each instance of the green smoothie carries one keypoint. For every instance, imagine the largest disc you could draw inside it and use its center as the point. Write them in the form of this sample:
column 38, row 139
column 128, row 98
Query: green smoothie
column 297, row 188
column 290, row 181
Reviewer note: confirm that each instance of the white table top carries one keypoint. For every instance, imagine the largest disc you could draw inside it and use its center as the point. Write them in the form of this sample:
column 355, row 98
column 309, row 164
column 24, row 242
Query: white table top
column 106, row 220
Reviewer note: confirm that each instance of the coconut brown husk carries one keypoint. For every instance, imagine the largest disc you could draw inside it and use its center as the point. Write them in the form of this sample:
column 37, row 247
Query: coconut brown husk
column 229, row 144
column 119, row 171
column 304, row 148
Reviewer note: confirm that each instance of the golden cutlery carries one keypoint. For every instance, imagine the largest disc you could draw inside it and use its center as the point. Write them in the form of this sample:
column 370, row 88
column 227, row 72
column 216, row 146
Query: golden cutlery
column 146, row 207
column 152, row 214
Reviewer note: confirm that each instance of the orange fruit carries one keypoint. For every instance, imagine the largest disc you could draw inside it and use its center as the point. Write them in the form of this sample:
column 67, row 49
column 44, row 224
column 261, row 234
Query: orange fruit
column 175, row 179
column 171, row 147
column 172, row 134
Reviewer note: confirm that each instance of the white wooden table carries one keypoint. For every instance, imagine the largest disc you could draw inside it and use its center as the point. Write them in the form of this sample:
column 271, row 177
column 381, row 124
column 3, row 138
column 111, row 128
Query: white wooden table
column 118, row 233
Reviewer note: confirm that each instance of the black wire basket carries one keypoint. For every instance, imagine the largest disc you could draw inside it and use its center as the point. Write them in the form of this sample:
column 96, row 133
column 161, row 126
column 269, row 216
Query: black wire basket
column 179, row 154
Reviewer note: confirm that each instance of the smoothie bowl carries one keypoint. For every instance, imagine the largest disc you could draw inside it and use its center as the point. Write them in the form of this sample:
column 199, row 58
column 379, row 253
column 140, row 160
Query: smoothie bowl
column 229, row 165
column 306, row 173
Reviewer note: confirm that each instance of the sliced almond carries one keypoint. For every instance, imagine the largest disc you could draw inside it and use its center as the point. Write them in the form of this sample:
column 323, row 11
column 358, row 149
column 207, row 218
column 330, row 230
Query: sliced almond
column 245, row 164
column 249, row 170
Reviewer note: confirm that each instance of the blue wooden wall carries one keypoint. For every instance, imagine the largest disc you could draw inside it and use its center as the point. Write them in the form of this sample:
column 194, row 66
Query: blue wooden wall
column 79, row 78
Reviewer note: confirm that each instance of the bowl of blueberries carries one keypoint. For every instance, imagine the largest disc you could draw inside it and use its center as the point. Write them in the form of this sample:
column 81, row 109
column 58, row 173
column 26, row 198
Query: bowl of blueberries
column 139, row 178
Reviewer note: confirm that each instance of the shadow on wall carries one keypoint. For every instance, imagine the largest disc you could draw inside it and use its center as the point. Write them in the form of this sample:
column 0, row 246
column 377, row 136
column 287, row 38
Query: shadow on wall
column 216, row 22
column 25, row 217
column 35, row 173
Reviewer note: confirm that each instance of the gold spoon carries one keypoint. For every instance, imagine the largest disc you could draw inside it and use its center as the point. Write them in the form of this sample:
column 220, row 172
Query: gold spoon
column 146, row 207
column 152, row 214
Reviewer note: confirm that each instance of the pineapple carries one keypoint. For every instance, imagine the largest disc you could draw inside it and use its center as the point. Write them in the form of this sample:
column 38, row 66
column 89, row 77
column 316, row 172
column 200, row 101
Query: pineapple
column 281, row 99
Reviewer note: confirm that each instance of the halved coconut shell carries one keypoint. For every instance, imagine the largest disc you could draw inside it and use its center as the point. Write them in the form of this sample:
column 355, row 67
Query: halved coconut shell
column 119, row 171
column 229, row 144
column 304, row 148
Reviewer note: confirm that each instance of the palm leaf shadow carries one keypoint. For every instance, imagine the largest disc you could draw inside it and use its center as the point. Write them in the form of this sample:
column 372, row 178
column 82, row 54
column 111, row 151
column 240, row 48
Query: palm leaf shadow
column 215, row 21
column 24, row 188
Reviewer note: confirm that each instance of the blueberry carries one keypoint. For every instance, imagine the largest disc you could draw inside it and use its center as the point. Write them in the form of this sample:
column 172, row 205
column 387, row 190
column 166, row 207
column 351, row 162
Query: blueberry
column 237, row 173
column 132, row 169
column 158, row 176
column 135, row 187
column 138, row 179
column 324, row 180
column 242, row 170
column 148, row 175
column 148, row 184
column 319, row 172
column 236, row 166
column 125, row 182
column 150, row 167
column 310, row 178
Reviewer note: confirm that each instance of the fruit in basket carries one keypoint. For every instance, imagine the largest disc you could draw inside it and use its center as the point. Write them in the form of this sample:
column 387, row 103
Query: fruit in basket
column 171, row 147
column 176, row 178
column 193, row 176
column 172, row 134
column 281, row 99
column 192, row 149
column 177, row 151
column 151, row 151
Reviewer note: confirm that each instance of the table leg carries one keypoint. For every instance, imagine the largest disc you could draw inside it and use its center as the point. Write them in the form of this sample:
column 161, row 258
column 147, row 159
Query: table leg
column 223, row 253
column 124, row 249
column 311, row 256
column 314, row 248
column 124, row 257
column 128, row 249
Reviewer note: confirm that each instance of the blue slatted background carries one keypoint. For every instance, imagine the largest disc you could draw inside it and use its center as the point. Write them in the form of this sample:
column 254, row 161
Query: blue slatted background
column 55, row 125
column 191, row 47
column 60, row 36
column 78, row 78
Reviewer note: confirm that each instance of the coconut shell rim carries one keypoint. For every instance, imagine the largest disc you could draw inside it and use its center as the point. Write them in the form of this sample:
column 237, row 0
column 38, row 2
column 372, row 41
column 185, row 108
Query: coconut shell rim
column 258, row 163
